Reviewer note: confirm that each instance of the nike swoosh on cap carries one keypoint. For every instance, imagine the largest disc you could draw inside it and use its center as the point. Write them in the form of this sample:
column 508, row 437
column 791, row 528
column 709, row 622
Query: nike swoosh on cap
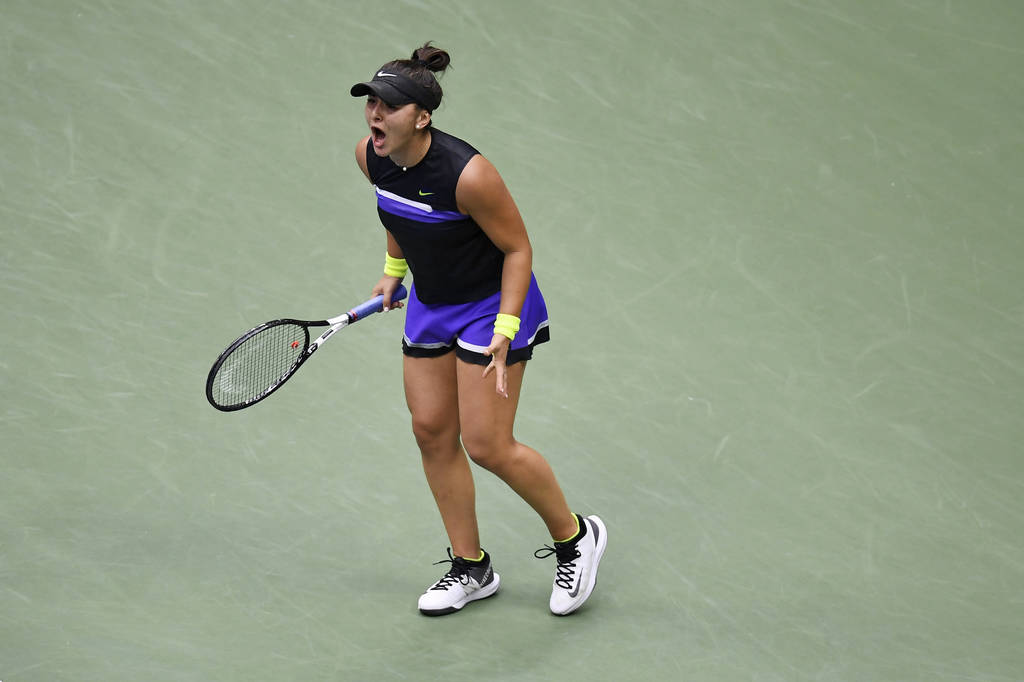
column 382, row 74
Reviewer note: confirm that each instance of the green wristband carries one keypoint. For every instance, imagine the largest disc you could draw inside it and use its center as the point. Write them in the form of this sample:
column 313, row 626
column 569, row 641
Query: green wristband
column 506, row 325
column 395, row 267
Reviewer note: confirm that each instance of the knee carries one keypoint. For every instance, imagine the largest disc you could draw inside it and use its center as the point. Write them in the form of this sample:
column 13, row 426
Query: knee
column 487, row 451
column 435, row 436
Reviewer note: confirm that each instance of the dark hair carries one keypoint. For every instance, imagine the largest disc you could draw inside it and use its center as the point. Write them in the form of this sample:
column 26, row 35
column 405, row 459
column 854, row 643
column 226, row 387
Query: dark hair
column 425, row 61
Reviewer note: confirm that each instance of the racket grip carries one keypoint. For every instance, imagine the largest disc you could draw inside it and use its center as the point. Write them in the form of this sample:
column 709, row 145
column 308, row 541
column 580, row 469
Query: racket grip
column 375, row 305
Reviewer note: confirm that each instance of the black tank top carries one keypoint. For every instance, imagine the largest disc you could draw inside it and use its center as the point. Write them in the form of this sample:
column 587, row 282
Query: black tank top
column 452, row 260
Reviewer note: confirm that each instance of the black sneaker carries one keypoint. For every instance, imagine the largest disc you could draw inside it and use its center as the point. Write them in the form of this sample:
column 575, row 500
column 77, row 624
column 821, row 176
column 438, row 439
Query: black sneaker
column 466, row 581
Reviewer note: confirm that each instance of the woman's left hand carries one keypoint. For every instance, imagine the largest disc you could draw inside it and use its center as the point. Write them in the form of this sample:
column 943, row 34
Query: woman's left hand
column 498, row 351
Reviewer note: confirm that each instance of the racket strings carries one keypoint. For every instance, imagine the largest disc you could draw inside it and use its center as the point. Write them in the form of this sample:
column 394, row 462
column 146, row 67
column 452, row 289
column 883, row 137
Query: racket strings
column 258, row 364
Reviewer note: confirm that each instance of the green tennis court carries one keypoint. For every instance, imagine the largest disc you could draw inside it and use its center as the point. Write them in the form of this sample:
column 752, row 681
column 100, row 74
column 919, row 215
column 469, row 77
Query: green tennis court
column 782, row 244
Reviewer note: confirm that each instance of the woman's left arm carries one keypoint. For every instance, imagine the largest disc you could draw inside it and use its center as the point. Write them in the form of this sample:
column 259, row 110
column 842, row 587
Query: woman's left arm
column 481, row 193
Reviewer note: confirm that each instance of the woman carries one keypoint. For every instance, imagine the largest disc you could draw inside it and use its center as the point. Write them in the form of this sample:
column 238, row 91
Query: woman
column 474, row 304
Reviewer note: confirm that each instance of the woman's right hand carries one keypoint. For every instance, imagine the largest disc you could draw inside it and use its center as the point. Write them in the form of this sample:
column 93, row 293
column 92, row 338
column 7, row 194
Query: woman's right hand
column 386, row 287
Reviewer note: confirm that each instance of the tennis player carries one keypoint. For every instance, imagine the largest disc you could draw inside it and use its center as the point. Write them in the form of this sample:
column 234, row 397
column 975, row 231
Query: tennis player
column 474, row 316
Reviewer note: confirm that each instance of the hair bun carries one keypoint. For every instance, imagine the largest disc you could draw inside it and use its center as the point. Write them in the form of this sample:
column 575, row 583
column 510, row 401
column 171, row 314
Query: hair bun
column 433, row 58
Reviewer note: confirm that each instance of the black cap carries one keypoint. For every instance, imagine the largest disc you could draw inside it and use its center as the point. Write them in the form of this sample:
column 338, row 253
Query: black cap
column 396, row 89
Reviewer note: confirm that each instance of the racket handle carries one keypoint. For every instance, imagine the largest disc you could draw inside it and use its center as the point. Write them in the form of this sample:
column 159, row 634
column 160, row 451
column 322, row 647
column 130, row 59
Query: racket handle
column 375, row 305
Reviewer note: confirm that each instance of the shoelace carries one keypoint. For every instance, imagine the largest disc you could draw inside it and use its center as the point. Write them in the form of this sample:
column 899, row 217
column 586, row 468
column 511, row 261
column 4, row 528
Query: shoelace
column 566, row 555
column 458, row 573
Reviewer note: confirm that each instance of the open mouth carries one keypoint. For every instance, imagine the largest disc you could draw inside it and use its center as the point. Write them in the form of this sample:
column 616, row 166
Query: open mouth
column 377, row 135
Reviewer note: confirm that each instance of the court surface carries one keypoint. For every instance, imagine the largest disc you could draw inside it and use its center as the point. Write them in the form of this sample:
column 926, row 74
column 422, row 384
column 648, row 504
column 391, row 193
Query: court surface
column 782, row 248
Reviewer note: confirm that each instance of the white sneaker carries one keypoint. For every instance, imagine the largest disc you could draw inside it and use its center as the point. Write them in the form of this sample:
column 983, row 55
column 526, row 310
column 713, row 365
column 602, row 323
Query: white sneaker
column 578, row 559
column 466, row 581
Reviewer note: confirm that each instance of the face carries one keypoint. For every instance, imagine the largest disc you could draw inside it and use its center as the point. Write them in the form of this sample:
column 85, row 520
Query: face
column 392, row 128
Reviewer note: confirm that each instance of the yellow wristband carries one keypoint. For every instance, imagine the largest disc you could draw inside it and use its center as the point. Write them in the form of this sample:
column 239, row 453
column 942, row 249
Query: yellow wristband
column 506, row 325
column 395, row 267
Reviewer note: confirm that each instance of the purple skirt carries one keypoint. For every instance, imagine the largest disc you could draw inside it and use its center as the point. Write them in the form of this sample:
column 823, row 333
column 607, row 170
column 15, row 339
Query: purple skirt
column 467, row 328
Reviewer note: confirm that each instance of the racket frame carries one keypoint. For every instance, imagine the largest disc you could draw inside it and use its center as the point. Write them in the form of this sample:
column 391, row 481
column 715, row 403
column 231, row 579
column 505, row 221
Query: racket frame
column 334, row 325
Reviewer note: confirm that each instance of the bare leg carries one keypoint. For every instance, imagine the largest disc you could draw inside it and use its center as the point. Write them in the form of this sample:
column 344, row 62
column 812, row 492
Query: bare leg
column 487, row 420
column 431, row 391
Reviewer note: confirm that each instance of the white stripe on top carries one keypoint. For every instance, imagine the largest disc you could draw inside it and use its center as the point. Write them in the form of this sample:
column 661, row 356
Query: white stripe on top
column 402, row 200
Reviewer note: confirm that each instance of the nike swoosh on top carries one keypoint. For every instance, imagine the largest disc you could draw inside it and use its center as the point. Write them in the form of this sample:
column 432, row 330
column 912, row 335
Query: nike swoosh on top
column 425, row 194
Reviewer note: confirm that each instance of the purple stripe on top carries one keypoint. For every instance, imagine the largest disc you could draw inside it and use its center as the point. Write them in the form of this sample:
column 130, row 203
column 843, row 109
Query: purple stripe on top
column 413, row 211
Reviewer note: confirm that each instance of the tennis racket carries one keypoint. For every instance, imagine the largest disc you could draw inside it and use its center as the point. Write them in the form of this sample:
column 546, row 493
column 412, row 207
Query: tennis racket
column 261, row 360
